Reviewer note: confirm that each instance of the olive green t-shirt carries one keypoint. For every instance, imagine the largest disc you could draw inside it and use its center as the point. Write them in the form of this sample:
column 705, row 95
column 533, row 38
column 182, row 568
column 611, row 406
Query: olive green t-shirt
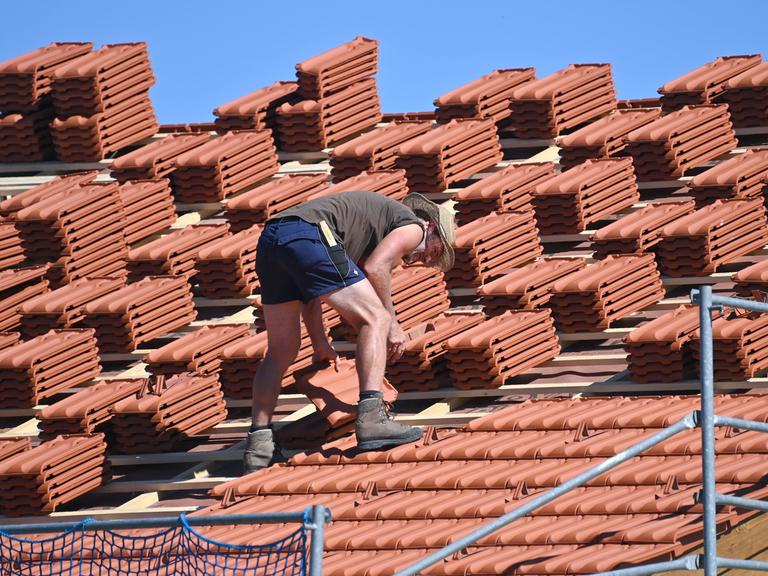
column 360, row 220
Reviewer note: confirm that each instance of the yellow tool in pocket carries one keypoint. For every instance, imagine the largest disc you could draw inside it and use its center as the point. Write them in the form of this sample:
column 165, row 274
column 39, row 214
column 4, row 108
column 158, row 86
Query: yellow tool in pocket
column 330, row 240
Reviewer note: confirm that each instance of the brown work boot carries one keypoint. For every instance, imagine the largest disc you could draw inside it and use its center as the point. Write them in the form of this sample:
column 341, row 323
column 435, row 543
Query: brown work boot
column 375, row 428
column 260, row 451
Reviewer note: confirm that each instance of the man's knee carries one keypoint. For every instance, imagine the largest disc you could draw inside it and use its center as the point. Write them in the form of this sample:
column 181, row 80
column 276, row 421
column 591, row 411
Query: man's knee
column 281, row 358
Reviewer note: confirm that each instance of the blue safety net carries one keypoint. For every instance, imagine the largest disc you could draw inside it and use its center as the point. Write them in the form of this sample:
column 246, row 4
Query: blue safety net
column 180, row 550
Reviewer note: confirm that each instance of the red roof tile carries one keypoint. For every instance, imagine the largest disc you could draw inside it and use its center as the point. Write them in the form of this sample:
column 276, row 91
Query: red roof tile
column 16, row 286
column 746, row 97
column 390, row 183
column 337, row 68
column 155, row 160
column 257, row 110
column 226, row 268
column 47, row 191
column 743, row 176
column 148, row 207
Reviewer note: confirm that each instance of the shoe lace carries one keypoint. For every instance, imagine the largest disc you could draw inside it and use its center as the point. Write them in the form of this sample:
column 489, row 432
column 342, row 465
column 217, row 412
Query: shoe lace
column 387, row 408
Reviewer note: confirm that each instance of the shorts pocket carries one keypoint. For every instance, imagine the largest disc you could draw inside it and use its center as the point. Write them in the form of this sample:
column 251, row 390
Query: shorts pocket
column 340, row 259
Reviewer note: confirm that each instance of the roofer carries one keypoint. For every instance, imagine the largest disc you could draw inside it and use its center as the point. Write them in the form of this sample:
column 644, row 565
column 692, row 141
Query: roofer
column 341, row 249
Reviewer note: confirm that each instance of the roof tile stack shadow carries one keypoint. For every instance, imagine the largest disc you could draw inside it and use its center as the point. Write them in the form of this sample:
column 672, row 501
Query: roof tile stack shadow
column 257, row 110
column 591, row 299
column 374, row 150
column 501, row 347
column 154, row 160
column 102, row 102
column 43, row 366
column 568, row 202
column 148, row 206
column 743, row 176
column 226, row 268
column 86, row 411
column 752, row 281
column 699, row 243
column 17, row 285
column 638, row 232
column 669, row 147
column 491, row 245
column 448, row 154
column 80, row 231
column 43, row 192
column 25, row 104
column 64, row 307
column 603, row 138
column 704, row 84
column 199, row 351
column 41, row 479
column 526, row 288
column 392, row 183
column 260, row 204
column 140, row 312
column 173, row 254
column 423, row 365
column 224, row 166
column 507, row 190
column 486, row 97
column 169, row 412
column 747, row 97
column 659, row 350
column 11, row 250
column 570, row 97
column 740, row 345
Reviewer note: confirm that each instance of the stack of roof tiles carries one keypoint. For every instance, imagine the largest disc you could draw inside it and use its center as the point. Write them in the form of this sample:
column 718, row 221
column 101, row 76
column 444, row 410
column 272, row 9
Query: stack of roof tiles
column 17, row 285
column 659, row 351
column 260, row 204
column 43, row 366
column 570, row 97
column 591, row 299
column 747, row 97
column 63, row 307
column 743, row 176
column 392, row 183
column 603, row 138
column 173, row 254
column 80, row 231
column 167, row 413
column 491, row 245
column 11, row 206
column 102, row 102
column 226, row 268
column 588, row 192
column 341, row 98
column 25, row 103
column 423, row 365
column 485, row 355
column 11, row 446
column 449, row 153
column 39, row 480
column 199, row 351
column 486, row 97
column 704, row 84
column 374, row 150
column 638, row 232
column 139, row 312
column 257, row 110
column 86, row 411
column 699, row 243
column 752, row 279
column 667, row 148
column 8, row 339
column 526, row 288
column 224, row 166
column 739, row 345
column 507, row 190
column 419, row 293
column 148, row 207
column 11, row 250
column 156, row 159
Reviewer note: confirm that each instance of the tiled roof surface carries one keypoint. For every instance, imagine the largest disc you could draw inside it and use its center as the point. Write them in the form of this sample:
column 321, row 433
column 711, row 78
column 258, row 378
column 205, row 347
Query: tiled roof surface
column 573, row 271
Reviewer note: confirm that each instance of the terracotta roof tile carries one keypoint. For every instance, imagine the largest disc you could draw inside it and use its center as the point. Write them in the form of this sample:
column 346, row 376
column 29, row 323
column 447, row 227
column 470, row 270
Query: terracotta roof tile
column 337, row 68
column 743, row 176
column 155, row 160
column 17, row 285
column 699, row 243
column 588, row 192
column 419, row 293
column 751, row 279
column 226, row 268
column 45, row 192
column 8, row 339
column 11, row 446
column 449, row 153
column 392, row 183
column 11, row 250
column 704, row 84
column 374, row 150
column 739, row 345
column 593, row 298
column 148, row 207
column 570, row 97
column 507, row 190
column 257, row 110
column 486, row 97
column 224, row 166
column 746, row 97
column 670, row 146
column 258, row 205
column 26, row 137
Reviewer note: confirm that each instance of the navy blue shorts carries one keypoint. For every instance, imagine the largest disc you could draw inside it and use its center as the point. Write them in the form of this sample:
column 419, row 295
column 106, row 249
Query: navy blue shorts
column 294, row 263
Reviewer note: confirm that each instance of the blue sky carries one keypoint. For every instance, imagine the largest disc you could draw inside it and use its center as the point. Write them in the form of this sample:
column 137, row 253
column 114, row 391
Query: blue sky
column 207, row 53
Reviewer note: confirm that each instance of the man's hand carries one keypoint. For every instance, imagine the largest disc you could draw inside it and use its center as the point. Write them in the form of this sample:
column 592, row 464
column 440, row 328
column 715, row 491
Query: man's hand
column 325, row 354
column 396, row 340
